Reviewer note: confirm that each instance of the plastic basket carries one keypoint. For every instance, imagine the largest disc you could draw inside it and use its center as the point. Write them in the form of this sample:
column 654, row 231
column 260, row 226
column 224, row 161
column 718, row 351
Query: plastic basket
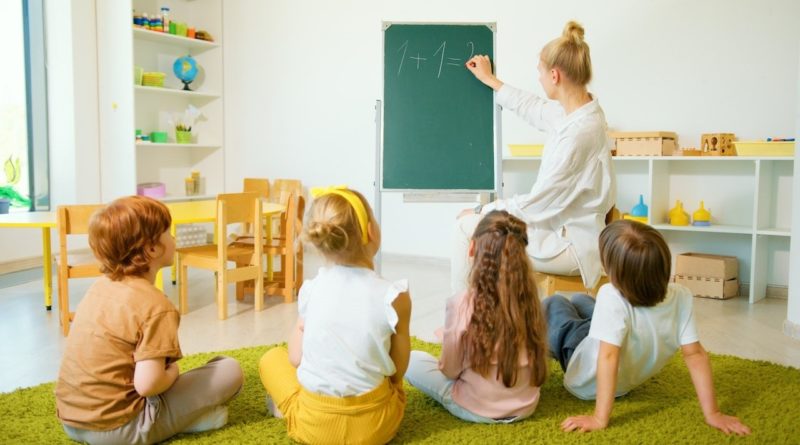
column 764, row 148
column 525, row 150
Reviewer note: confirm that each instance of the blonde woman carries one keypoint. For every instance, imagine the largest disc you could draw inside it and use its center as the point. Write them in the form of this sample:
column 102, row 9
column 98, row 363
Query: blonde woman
column 575, row 188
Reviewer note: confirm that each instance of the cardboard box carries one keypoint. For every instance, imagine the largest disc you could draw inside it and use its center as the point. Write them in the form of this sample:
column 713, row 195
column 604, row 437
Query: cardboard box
column 649, row 143
column 710, row 276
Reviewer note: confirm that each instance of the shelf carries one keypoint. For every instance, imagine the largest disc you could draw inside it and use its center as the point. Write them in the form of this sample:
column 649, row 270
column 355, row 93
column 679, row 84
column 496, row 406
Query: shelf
column 174, row 145
column 174, row 92
column 170, row 39
column 716, row 228
column 775, row 231
column 672, row 158
column 179, row 198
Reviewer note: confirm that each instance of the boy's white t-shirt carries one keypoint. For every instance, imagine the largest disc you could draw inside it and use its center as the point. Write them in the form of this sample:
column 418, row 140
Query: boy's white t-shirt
column 648, row 337
column 349, row 321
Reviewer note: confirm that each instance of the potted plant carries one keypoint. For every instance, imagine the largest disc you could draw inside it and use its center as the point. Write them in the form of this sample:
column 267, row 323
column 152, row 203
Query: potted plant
column 9, row 196
column 183, row 125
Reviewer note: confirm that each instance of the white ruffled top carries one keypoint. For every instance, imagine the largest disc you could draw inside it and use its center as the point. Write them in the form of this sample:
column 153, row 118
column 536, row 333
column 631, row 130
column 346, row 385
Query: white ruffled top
column 349, row 321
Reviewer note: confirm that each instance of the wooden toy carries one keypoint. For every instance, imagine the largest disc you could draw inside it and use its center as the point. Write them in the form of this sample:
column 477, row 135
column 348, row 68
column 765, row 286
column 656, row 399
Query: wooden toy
column 717, row 144
column 691, row 151
column 648, row 143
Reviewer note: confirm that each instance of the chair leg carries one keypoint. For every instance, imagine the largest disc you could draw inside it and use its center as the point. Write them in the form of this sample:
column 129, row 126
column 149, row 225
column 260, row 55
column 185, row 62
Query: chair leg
column 222, row 296
column 288, row 277
column 183, row 303
column 299, row 267
column 63, row 303
column 258, row 292
column 240, row 284
column 550, row 286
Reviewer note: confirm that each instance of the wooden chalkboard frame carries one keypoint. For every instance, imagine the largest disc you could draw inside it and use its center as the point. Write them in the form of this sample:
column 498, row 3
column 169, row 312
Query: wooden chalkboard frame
column 496, row 124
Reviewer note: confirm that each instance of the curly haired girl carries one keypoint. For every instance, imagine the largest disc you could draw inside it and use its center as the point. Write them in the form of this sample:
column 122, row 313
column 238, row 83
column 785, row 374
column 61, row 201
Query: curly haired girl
column 494, row 350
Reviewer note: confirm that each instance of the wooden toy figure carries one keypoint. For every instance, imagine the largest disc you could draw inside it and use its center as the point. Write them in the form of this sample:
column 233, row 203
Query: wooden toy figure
column 717, row 144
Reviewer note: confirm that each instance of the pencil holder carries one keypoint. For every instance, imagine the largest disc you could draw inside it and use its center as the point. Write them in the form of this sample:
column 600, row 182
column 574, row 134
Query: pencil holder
column 183, row 137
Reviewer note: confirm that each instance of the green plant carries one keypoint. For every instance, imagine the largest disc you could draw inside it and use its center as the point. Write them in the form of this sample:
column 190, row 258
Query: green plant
column 182, row 127
column 13, row 173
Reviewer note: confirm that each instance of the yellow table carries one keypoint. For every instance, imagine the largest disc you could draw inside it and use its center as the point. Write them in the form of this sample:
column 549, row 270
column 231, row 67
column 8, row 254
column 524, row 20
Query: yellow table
column 190, row 212
column 182, row 213
column 37, row 220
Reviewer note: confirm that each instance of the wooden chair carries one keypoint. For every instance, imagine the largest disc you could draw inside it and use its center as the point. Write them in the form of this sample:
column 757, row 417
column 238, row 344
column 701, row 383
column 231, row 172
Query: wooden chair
column 550, row 283
column 257, row 185
column 232, row 208
column 73, row 220
column 285, row 245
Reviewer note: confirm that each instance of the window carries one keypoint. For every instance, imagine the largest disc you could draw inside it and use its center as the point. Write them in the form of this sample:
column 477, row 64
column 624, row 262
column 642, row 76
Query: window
column 23, row 113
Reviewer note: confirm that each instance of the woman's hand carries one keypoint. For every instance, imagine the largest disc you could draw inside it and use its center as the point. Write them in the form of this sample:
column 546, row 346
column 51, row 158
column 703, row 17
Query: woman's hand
column 481, row 67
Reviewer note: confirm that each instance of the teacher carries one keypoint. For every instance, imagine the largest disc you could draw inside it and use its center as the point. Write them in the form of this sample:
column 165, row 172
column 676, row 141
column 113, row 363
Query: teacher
column 566, row 208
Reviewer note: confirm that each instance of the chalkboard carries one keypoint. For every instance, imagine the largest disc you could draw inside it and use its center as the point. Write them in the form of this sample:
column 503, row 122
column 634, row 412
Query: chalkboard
column 438, row 119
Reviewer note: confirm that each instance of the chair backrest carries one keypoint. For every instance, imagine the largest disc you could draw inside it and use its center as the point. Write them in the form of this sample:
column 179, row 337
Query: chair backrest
column 258, row 185
column 289, row 218
column 281, row 188
column 613, row 215
column 233, row 208
column 74, row 219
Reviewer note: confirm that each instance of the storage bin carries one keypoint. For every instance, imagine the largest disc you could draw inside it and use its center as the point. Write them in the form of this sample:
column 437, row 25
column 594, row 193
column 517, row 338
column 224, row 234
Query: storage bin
column 764, row 148
column 525, row 150
column 647, row 143
column 709, row 276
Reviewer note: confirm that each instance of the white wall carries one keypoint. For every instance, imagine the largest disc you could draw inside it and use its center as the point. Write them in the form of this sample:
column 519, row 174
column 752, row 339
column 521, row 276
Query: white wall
column 793, row 309
column 300, row 92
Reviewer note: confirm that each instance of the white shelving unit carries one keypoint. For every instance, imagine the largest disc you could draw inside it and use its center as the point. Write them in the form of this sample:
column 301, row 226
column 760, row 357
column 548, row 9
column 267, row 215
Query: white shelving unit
column 125, row 107
column 749, row 199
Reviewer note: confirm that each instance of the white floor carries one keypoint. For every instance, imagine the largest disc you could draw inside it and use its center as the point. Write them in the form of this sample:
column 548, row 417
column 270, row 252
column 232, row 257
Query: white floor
column 32, row 343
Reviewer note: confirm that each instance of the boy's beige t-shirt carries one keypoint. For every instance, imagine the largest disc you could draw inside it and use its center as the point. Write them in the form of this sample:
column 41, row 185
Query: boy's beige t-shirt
column 117, row 324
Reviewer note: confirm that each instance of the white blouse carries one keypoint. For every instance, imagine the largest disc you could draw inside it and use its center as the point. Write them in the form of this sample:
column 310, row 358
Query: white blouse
column 349, row 323
column 576, row 185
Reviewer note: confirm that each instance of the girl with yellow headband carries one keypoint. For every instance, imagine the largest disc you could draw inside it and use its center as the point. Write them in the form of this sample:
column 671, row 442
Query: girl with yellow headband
column 340, row 381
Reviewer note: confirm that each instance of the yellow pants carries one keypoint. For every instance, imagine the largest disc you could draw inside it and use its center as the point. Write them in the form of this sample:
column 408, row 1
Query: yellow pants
column 371, row 418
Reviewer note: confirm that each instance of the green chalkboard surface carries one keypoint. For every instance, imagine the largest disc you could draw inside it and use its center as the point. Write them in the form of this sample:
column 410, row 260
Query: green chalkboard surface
column 438, row 120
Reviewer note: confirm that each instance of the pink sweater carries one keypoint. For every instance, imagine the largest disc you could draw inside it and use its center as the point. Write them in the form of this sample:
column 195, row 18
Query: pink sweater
column 484, row 396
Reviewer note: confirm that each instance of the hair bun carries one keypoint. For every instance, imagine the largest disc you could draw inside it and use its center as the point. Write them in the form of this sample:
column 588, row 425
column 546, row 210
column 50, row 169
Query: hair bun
column 574, row 31
column 327, row 237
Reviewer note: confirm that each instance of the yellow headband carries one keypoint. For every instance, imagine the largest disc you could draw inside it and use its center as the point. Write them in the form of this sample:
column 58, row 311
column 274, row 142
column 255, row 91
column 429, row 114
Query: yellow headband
column 353, row 199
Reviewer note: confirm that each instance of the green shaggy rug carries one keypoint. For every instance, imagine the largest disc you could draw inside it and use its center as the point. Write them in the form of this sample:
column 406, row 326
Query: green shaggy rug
column 662, row 411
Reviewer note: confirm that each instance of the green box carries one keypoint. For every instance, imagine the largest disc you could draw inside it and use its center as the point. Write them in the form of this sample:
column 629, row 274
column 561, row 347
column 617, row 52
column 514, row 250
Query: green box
column 158, row 136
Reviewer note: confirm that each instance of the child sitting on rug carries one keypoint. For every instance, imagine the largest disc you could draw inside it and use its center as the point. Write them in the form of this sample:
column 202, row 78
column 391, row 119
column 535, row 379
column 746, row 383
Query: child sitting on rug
column 341, row 379
column 119, row 380
column 639, row 321
column 494, row 348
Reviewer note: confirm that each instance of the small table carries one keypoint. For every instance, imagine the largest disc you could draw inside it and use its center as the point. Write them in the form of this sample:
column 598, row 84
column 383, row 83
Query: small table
column 188, row 212
column 191, row 212
column 37, row 220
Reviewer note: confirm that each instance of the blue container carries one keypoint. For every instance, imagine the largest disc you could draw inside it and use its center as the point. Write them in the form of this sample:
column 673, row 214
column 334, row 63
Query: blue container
column 4, row 206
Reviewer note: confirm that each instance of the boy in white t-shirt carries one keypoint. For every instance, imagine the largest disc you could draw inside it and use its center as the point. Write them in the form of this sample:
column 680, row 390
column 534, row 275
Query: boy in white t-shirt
column 637, row 324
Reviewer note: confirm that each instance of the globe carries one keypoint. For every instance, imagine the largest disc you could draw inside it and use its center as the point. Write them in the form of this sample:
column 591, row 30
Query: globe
column 185, row 69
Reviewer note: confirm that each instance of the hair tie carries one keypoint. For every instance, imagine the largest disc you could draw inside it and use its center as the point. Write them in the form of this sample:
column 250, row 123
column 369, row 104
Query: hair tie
column 353, row 199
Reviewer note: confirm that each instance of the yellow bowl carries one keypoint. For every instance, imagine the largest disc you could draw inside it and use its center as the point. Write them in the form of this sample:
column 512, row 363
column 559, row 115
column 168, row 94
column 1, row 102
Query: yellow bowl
column 764, row 148
column 526, row 150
